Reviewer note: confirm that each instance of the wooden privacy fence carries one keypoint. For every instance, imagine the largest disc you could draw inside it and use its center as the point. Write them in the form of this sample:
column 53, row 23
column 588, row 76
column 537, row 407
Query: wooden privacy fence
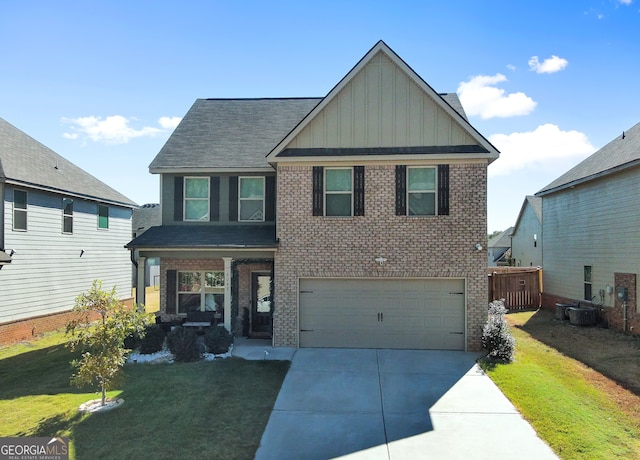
column 520, row 288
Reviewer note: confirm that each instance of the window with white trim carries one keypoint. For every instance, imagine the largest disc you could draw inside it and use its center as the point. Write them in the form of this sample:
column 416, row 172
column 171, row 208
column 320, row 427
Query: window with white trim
column 251, row 199
column 201, row 291
column 421, row 191
column 338, row 191
column 196, row 198
column 20, row 210
column 67, row 215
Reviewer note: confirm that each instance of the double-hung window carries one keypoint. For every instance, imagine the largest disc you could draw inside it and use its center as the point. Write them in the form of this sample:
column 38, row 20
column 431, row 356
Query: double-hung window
column 251, row 198
column 338, row 191
column 421, row 191
column 19, row 210
column 67, row 215
column 196, row 198
column 201, row 291
column 587, row 283
column 103, row 216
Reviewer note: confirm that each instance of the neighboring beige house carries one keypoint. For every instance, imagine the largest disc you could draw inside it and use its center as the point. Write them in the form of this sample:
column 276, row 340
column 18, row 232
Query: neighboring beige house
column 361, row 210
column 591, row 232
column 526, row 237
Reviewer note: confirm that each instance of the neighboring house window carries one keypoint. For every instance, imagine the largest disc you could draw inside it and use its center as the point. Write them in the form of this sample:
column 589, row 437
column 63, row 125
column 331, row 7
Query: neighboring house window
column 421, row 191
column 200, row 291
column 587, row 283
column 19, row 210
column 251, row 198
column 103, row 216
column 67, row 215
column 196, row 198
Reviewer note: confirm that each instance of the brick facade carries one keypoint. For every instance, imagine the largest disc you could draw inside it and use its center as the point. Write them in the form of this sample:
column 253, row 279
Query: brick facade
column 29, row 328
column 418, row 247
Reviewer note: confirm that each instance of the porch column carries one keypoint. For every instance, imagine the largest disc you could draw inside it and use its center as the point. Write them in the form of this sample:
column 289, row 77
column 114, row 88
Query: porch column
column 140, row 287
column 227, row 292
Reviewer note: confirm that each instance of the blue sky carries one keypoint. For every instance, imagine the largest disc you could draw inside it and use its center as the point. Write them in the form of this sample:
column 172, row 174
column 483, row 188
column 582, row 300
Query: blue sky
column 103, row 83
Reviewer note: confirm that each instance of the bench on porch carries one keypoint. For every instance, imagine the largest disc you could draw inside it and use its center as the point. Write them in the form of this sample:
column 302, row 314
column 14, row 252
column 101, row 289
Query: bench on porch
column 200, row 319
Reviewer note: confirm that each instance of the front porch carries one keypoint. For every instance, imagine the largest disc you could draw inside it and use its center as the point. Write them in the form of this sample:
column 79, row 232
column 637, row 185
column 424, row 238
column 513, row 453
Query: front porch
column 237, row 292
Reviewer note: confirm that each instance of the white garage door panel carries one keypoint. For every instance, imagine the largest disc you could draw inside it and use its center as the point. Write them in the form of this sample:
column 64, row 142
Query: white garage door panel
column 390, row 313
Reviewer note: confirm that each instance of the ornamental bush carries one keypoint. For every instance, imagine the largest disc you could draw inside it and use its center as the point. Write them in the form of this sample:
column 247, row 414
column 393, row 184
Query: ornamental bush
column 153, row 339
column 496, row 336
column 218, row 340
column 183, row 343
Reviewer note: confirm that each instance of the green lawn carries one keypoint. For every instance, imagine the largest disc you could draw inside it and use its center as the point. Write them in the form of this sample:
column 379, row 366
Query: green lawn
column 555, row 394
column 198, row 410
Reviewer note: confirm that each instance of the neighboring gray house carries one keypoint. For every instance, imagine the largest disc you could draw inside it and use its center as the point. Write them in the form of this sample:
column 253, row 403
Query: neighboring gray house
column 526, row 238
column 498, row 248
column 349, row 220
column 62, row 228
column 591, row 232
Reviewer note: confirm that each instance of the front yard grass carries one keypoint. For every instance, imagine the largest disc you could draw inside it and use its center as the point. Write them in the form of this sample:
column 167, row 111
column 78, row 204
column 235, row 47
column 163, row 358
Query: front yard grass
column 571, row 406
column 198, row 410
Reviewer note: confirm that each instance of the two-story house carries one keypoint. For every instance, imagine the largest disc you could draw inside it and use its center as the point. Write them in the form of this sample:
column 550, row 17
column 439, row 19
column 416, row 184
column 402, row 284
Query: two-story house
column 350, row 220
column 61, row 228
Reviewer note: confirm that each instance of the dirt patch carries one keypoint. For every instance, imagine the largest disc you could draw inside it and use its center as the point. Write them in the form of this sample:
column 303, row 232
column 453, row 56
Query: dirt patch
column 614, row 356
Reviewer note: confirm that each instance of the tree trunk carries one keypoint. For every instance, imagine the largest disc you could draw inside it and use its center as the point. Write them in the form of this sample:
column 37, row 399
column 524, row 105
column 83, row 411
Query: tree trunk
column 104, row 395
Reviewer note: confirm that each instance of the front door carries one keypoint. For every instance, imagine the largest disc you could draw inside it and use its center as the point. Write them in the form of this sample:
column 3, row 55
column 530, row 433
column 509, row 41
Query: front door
column 261, row 311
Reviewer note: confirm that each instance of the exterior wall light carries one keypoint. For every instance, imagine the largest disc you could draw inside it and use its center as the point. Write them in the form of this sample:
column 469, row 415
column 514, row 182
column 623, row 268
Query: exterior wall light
column 380, row 260
column 478, row 247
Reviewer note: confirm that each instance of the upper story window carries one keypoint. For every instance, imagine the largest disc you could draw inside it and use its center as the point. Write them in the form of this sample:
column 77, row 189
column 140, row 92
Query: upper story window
column 67, row 215
column 421, row 191
column 196, row 198
column 19, row 210
column 103, row 216
column 251, row 198
column 338, row 191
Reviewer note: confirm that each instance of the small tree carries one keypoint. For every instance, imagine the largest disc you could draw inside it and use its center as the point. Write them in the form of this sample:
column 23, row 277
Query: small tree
column 496, row 336
column 102, row 341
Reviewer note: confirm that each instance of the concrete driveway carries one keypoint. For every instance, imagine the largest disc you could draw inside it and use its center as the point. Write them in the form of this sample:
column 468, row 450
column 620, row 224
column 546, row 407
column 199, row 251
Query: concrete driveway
column 394, row 404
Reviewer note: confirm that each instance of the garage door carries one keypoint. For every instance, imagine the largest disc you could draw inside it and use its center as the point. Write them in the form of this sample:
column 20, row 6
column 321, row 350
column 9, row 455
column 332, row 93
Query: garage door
column 390, row 313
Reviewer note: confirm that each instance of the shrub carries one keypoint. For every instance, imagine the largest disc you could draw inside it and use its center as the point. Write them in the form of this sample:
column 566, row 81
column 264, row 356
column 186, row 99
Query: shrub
column 218, row 340
column 496, row 336
column 183, row 343
column 153, row 339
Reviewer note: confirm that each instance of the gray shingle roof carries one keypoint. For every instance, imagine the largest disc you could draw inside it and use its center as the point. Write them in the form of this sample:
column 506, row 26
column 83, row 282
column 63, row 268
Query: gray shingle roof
column 502, row 240
column 205, row 236
column 230, row 133
column 454, row 101
column 26, row 161
column 146, row 216
column 617, row 154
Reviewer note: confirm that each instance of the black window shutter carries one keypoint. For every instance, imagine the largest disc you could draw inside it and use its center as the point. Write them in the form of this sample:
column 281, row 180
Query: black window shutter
column 401, row 190
column 178, row 192
column 358, row 190
column 214, row 198
column 443, row 190
column 172, row 281
column 318, row 191
column 270, row 199
column 233, row 198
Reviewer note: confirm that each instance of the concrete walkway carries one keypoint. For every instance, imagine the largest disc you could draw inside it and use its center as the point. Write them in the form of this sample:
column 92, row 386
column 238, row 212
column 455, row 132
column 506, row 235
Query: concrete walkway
column 394, row 404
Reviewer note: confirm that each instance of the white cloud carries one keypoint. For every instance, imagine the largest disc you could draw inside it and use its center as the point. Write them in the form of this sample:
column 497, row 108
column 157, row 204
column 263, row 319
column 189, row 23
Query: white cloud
column 547, row 148
column 549, row 65
column 625, row 2
column 511, row 67
column 114, row 129
column 169, row 122
column 479, row 96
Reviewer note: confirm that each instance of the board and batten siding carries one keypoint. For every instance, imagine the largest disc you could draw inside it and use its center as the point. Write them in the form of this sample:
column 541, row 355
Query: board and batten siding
column 47, row 271
column 381, row 107
column 597, row 224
